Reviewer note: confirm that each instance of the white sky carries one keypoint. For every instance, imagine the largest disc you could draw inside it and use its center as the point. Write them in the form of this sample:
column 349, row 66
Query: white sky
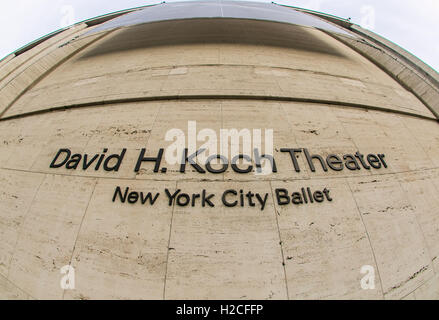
column 414, row 25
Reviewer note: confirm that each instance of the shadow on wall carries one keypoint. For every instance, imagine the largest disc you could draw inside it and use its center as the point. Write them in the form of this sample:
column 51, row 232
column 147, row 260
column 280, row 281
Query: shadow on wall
column 211, row 31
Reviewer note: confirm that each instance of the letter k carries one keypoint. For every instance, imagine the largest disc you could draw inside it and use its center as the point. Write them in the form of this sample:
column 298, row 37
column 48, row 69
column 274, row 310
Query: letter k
column 205, row 199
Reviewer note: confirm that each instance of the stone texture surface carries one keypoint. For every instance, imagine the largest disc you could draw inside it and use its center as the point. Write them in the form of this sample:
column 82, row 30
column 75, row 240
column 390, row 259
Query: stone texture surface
column 119, row 258
column 305, row 64
column 27, row 75
column 21, row 62
column 17, row 193
column 48, row 235
column 428, row 291
column 226, row 253
column 390, row 219
column 8, row 291
column 394, row 61
column 386, row 218
column 318, row 241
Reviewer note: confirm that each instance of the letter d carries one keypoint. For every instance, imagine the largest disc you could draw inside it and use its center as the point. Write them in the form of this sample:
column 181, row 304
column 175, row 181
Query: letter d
column 67, row 151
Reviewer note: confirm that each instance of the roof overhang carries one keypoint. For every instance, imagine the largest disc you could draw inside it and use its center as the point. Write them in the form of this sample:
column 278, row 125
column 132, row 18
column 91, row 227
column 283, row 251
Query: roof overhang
column 218, row 9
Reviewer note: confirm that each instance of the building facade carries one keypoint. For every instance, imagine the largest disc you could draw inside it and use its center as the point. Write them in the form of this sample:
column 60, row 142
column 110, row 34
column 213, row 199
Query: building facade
column 335, row 195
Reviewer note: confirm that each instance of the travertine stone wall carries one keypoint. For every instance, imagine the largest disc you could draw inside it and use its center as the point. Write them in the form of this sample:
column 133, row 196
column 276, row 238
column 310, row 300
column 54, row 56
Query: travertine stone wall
column 386, row 218
column 22, row 73
column 27, row 58
column 167, row 56
column 424, row 86
column 6, row 59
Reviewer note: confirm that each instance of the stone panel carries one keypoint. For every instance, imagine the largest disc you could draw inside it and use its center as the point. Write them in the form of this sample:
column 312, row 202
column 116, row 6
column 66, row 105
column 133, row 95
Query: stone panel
column 121, row 250
column 9, row 291
column 17, row 191
column 325, row 244
column 47, row 237
column 429, row 291
column 422, row 194
column 225, row 253
column 396, row 237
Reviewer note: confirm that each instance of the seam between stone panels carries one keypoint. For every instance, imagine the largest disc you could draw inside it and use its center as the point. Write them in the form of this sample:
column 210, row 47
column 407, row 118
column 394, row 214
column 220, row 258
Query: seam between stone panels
column 168, row 248
column 150, row 134
column 433, row 258
column 425, row 243
column 222, row 127
column 47, row 143
column 284, row 265
column 17, row 287
column 228, row 65
column 277, row 80
column 368, row 238
column 430, row 257
column 49, row 71
column 431, row 183
column 43, row 178
column 290, row 125
column 212, row 97
column 80, row 227
column 220, row 180
column 356, row 204
column 421, row 285
column 365, row 228
column 85, row 146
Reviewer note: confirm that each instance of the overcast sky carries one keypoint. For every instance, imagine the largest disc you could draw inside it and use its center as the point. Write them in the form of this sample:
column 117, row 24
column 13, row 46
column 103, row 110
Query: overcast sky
column 414, row 25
